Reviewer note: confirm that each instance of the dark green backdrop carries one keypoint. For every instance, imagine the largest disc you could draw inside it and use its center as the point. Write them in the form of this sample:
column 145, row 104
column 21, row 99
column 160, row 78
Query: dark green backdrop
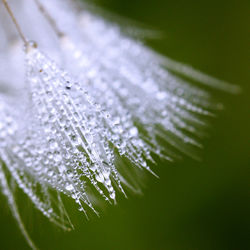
column 193, row 205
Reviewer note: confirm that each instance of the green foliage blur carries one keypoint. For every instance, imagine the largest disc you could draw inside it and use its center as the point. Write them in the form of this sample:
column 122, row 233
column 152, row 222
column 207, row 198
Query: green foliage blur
column 194, row 205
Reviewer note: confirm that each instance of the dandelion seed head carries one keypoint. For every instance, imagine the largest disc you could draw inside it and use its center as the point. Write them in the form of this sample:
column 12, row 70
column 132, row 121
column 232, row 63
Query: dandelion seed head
column 87, row 107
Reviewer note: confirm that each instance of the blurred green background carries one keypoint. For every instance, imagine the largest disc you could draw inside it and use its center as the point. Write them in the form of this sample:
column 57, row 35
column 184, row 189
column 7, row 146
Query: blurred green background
column 194, row 205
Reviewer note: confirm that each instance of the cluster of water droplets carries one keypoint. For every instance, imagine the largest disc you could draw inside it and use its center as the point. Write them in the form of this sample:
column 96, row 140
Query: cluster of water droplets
column 74, row 139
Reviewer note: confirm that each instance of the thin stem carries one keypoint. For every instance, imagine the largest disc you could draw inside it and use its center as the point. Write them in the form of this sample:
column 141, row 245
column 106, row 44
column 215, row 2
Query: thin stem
column 50, row 19
column 15, row 21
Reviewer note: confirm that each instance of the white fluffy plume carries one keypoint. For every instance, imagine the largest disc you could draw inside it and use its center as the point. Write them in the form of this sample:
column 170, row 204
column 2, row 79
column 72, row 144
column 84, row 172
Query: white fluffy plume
column 88, row 109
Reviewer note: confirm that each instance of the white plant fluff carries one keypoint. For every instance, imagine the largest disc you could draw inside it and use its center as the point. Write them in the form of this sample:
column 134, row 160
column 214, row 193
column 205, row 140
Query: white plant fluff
column 84, row 102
